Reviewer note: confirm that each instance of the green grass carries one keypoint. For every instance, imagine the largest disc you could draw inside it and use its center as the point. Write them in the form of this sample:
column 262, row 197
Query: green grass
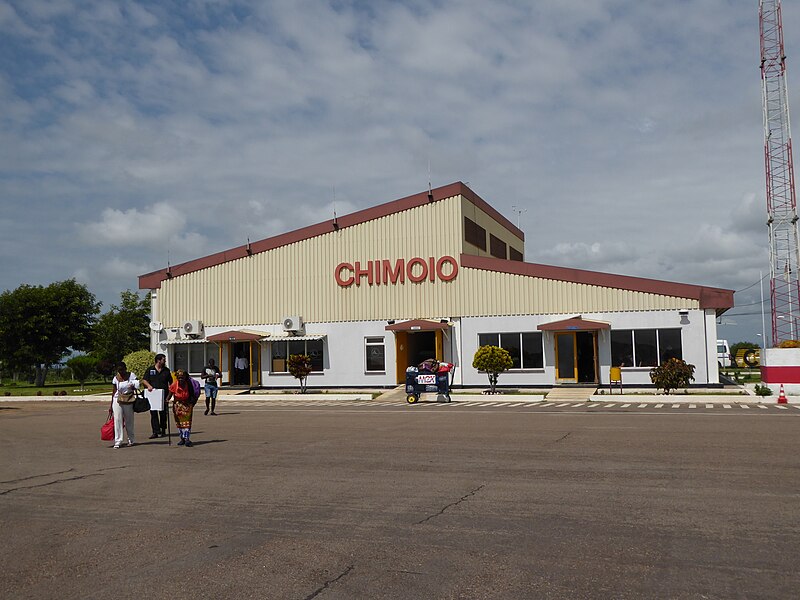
column 72, row 388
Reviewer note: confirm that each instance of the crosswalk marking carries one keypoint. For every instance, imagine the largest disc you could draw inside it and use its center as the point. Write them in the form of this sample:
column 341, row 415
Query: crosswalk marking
column 726, row 405
column 761, row 406
column 744, row 406
column 625, row 406
column 593, row 405
column 676, row 406
column 692, row 406
column 659, row 405
column 579, row 404
column 709, row 406
column 778, row 406
column 563, row 405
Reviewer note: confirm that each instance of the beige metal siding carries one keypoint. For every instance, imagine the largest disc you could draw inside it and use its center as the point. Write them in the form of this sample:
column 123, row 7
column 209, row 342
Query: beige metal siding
column 491, row 226
column 298, row 279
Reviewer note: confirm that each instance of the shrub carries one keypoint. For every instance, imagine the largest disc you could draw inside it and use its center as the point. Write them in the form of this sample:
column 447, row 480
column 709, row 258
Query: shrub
column 138, row 362
column 299, row 365
column 672, row 374
column 82, row 367
column 492, row 360
column 762, row 390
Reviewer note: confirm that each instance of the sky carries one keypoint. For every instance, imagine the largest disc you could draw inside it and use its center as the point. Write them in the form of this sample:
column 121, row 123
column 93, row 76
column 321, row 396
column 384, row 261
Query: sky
column 622, row 136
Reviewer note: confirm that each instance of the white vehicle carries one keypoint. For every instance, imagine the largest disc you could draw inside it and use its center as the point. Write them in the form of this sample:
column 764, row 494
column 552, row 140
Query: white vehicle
column 723, row 353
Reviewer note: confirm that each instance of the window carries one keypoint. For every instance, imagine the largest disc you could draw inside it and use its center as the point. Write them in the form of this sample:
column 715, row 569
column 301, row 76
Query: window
column 281, row 351
column 474, row 233
column 514, row 254
column 497, row 247
column 644, row 347
column 375, row 354
column 525, row 348
column 191, row 357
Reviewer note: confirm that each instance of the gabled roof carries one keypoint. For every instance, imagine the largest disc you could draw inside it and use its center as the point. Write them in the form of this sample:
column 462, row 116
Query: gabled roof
column 153, row 280
column 708, row 297
column 574, row 324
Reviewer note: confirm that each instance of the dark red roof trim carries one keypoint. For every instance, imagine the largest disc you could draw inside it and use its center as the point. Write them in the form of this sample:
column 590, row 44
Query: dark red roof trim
column 417, row 325
column 574, row 324
column 153, row 280
column 235, row 336
column 708, row 297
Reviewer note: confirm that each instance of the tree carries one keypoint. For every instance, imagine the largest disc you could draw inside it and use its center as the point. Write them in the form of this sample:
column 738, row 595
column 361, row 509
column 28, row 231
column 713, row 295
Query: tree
column 123, row 329
column 40, row 325
column 492, row 360
column 82, row 367
column 299, row 365
column 138, row 362
column 672, row 374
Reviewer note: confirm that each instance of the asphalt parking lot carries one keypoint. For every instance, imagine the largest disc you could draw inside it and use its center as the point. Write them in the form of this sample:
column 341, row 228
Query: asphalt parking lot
column 367, row 501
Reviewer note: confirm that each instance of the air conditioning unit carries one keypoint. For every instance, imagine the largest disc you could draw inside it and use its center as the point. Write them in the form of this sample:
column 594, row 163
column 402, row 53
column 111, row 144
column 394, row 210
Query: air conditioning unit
column 193, row 329
column 293, row 324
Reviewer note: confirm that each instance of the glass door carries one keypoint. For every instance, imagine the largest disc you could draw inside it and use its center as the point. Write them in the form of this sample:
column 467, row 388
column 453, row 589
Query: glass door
column 566, row 365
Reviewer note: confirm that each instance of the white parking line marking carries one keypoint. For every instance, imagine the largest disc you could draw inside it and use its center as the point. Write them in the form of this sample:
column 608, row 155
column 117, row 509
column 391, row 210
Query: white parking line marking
column 579, row 404
column 659, row 405
column 593, row 405
column 762, row 406
column 745, row 406
column 676, row 406
column 779, row 407
column 548, row 404
column 726, row 405
column 625, row 406
column 643, row 405
column 563, row 405
column 692, row 406
column 709, row 406
column 612, row 405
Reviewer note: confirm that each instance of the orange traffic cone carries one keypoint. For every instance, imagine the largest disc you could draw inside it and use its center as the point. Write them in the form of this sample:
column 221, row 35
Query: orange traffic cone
column 782, row 397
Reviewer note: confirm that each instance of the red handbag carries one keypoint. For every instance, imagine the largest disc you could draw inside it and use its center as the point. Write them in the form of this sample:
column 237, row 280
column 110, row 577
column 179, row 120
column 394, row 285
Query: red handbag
column 107, row 430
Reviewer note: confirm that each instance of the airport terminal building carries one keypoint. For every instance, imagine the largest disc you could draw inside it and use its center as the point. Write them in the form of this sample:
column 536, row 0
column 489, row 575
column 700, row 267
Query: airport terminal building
column 437, row 274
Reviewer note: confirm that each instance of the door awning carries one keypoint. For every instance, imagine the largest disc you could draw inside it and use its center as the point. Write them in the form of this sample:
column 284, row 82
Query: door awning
column 297, row 338
column 574, row 324
column 237, row 335
column 418, row 325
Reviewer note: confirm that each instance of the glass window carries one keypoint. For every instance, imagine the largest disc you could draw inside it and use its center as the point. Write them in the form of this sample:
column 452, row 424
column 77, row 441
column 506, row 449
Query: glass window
column 375, row 354
column 281, row 351
column 190, row 357
column 669, row 344
column 526, row 349
column 532, row 351
column 645, row 347
column 622, row 348
column 510, row 343
column 488, row 339
column 497, row 247
column 474, row 233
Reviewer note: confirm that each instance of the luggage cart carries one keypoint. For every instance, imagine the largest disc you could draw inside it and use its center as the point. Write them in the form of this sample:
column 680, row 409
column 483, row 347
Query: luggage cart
column 419, row 382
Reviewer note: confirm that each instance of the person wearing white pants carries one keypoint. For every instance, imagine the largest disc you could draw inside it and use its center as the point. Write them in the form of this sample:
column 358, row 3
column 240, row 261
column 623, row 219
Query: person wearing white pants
column 125, row 382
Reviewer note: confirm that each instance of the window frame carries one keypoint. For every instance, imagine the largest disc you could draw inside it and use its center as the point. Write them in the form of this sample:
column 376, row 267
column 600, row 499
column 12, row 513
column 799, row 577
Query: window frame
column 370, row 341
column 288, row 352
column 521, row 345
column 632, row 343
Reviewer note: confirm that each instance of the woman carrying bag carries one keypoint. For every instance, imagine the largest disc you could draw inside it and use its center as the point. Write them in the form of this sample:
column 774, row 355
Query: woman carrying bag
column 184, row 398
column 122, row 398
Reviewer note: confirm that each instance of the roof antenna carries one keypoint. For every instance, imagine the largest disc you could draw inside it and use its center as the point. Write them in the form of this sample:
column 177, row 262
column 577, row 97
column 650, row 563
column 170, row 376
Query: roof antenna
column 249, row 249
column 430, row 191
column 335, row 220
column 169, row 268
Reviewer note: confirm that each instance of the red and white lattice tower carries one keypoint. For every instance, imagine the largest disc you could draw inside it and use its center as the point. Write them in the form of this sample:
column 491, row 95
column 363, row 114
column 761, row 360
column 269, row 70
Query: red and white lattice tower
column 781, row 205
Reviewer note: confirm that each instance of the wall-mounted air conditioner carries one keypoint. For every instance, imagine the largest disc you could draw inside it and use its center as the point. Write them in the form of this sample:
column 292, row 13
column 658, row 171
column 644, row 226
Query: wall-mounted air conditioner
column 193, row 329
column 293, row 324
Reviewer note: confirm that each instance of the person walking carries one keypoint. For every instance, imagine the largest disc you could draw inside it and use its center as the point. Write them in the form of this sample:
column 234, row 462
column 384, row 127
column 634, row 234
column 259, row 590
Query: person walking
column 184, row 399
column 159, row 377
column 122, row 397
column 210, row 375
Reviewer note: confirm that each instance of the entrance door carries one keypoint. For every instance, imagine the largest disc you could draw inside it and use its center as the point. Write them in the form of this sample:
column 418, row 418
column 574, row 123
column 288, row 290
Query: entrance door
column 566, row 369
column 576, row 357
column 415, row 346
column 245, row 363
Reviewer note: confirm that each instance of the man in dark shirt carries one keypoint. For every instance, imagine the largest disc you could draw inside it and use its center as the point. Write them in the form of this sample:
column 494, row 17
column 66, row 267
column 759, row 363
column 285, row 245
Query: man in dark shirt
column 210, row 375
column 158, row 377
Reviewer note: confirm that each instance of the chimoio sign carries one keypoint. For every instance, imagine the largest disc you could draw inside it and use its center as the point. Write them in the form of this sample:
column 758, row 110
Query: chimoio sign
column 387, row 272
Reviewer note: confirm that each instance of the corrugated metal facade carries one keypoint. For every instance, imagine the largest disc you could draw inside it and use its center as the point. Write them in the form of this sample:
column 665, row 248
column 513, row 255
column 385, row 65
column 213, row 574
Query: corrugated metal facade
column 298, row 279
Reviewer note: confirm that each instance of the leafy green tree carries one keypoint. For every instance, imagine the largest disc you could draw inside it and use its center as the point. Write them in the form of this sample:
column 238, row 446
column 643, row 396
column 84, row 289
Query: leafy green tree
column 82, row 367
column 672, row 374
column 492, row 360
column 123, row 329
column 299, row 366
column 138, row 362
column 40, row 325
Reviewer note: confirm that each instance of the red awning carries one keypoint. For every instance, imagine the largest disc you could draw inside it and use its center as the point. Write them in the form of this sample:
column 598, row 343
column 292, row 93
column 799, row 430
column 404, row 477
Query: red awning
column 417, row 325
column 236, row 336
column 574, row 324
